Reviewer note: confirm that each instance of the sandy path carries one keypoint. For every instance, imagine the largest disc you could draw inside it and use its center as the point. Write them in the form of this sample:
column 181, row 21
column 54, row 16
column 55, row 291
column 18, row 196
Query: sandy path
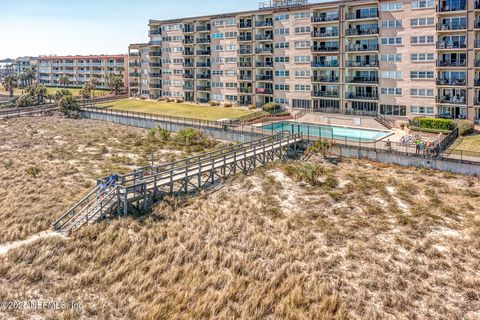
column 4, row 248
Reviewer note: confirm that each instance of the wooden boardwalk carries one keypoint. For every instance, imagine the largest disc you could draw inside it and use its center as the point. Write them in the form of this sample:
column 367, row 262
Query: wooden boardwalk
column 141, row 188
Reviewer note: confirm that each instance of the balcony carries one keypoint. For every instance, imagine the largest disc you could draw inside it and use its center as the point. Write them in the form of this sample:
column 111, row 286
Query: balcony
column 325, row 94
column 244, row 64
column 155, row 85
column 360, row 79
column 133, row 84
column 451, row 7
column 264, row 64
column 189, row 65
column 188, row 53
column 203, row 88
column 263, row 37
column 477, row 43
column 451, row 27
column 203, row 52
column 361, row 64
column 325, row 64
column 260, row 24
column 155, row 75
column 245, row 90
column 155, row 64
column 325, row 18
column 361, row 96
column 451, row 45
column 264, row 50
column 457, row 99
column 188, row 29
column 451, row 63
column 324, row 79
column 245, row 38
column 189, row 88
column 202, row 100
column 326, row 34
column 264, row 77
column 155, row 54
column 267, row 91
column 204, row 76
column 188, row 76
column 203, row 40
column 451, row 82
column 204, row 64
column 361, row 15
column 156, row 43
column 134, row 65
column 361, row 47
column 203, row 28
column 245, row 51
column 245, row 25
column 325, row 48
column 477, row 82
column 188, row 41
column 134, row 74
column 155, row 32
column 245, row 77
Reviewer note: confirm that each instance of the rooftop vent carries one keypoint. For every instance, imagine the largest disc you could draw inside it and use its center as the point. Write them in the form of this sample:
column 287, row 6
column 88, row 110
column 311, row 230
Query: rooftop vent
column 281, row 3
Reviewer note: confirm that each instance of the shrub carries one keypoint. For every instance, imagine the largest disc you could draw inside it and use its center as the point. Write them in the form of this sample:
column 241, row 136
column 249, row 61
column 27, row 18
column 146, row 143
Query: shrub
column 228, row 105
column 272, row 107
column 151, row 133
column 69, row 106
column 309, row 172
column 434, row 123
column 164, row 134
column 179, row 100
column 25, row 101
column 251, row 107
column 214, row 103
column 465, row 127
column 190, row 136
column 61, row 94
column 428, row 130
column 320, row 147
column 34, row 171
column 142, row 98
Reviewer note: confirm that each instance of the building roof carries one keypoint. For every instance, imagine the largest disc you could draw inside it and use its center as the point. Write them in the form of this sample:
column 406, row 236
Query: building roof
column 103, row 56
column 318, row 5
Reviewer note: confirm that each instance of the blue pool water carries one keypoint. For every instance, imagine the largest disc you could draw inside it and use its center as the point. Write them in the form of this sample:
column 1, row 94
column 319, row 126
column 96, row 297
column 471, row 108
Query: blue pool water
column 329, row 132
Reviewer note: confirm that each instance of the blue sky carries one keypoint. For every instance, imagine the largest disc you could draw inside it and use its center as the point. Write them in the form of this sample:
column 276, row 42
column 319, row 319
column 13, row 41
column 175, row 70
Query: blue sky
column 62, row 27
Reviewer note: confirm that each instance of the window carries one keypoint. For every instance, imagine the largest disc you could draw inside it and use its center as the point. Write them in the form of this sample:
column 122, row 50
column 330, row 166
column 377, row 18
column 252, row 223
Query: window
column 421, row 110
column 217, row 73
column 231, row 59
column 230, row 35
column 282, row 59
column 391, row 41
column 392, row 6
column 218, row 97
column 230, row 22
column 218, row 23
column 391, row 57
column 282, row 73
column 299, row 103
column 302, row 87
column 391, row 91
column 282, row 31
column 282, row 87
column 390, row 24
column 393, row 110
column 421, row 39
column 282, row 101
column 231, row 85
column 217, row 48
column 217, row 60
column 217, row 84
column 282, row 17
column 301, row 30
column 421, row 22
column 231, row 73
column 302, row 15
column 421, row 74
column 423, row 4
column 231, row 98
column 282, row 45
column 302, row 73
column 391, row 74
column 302, row 44
column 421, row 92
column 217, row 35
column 302, row 59
column 422, row 57
column 231, row 47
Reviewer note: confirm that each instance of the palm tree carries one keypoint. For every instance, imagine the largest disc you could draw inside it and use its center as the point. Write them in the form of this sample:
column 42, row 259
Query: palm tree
column 29, row 76
column 64, row 81
column 41, row 92
column 23, row 79
column 86, row 92
column 115, row 82
column 94, row 83
column 10, row 82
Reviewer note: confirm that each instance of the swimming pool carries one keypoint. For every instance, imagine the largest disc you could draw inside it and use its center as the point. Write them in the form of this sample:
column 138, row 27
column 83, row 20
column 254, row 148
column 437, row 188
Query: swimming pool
column 329, row 132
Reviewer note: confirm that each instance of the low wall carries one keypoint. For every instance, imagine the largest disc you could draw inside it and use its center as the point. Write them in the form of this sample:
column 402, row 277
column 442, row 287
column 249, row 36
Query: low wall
column 409, row 161
column 216, row 133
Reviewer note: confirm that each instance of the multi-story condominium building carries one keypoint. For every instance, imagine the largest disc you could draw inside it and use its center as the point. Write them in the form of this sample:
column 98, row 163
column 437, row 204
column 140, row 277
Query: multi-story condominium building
column 22, row 63
column 397, row 57
column 138, row 70
column 81, row 69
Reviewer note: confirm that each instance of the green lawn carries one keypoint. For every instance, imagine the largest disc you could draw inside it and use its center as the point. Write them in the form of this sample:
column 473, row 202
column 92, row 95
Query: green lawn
column 76, row 91
column 468, row 144
column 178, row 109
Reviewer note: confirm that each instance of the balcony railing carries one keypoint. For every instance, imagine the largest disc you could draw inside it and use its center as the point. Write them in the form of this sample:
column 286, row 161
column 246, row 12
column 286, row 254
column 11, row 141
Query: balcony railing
column 245, row 51
column 245, row 38
column 188, row 41
column 204, row 64
column 263, row 37
column 477, row 82
column 452, row 63
column 361, row 96
column 245, row 77
column 155, row 54
column 326, row 94
column 189, row 88
column 268, row 23
column 359, row 79
column 134, row 64
column 245, row 90
column 361, row 32
column 245, row 25
column 477, row 4
column 325, row 18
column 326, row 34
column 451, row 82
column 361, row 47
column 361, row 15
column 204, row 76
column 264, row 77
column 188, row 29
column 203, row 40
column 203, row 88
column 134, row 74
column 264, row 64
column 155, row 75
column 477, row 43
column 203, row 52
column 325, row 48
column 264, row 91
column 203, row 28
column 188, row 64
column 245, row 64
column 202, row 100
column 452, row 99
column 264, row 50
column 155, row 85
column 449, row 27
column 325, row 64
column 188, row 53
column 361, row 64
column 324, row 79
column 155, row 32
column 188, row 76
column 451, row 45
column 155, row 43
column 451, row 7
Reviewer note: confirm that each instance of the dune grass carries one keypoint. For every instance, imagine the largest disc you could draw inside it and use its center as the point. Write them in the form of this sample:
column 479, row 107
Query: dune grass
column 301, row 240
column 178, row 109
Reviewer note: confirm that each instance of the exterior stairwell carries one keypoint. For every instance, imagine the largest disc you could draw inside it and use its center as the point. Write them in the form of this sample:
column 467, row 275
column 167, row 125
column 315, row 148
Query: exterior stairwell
column 384, row 121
